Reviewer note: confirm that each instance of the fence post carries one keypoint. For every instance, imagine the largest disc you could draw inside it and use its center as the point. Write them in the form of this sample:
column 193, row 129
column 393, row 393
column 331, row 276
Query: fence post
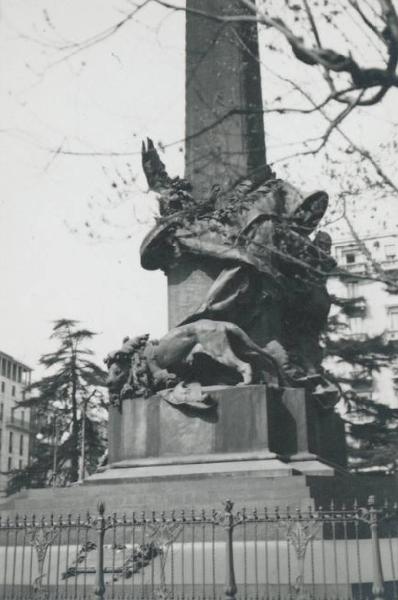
column 230, row 590
column 378, row 583
column 99, row 590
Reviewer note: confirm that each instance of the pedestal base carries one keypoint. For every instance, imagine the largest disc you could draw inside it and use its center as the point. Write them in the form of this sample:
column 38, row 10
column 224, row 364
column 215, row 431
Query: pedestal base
column 151, row 431
column 257, row 448
column 246, row 423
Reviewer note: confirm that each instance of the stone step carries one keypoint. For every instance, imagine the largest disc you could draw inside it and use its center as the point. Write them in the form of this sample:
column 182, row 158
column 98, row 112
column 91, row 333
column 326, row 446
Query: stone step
column 295, row 491
column 162, row 495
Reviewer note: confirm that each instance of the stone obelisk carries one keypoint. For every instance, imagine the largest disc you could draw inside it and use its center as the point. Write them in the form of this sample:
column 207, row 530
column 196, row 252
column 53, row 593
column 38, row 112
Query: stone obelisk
column 224, row 124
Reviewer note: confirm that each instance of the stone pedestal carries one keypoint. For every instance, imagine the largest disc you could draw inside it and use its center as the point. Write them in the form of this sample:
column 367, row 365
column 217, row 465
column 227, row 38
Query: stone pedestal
column 255, row 445
column 257, row 448
column 246, row 423
column 151, row 431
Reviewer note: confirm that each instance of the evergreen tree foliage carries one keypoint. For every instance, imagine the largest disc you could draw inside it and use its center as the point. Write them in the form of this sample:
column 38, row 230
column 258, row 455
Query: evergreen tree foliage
column 71, row 393
column 372, row 426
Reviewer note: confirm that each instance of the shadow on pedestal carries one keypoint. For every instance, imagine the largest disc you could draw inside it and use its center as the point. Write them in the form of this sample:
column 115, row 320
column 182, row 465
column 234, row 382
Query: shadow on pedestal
column 306, row 433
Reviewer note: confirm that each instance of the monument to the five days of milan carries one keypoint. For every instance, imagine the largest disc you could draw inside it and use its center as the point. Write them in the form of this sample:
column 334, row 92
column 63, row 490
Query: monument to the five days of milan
column 232, row 401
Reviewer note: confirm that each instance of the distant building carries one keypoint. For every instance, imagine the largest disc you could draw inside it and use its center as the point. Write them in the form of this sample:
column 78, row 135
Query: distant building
column 14, row 422
column 377, row 312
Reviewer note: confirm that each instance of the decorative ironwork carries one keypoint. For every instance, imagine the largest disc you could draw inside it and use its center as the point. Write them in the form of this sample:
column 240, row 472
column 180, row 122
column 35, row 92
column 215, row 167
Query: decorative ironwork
column 300, row 531
column 188, row 554
column 41, row 536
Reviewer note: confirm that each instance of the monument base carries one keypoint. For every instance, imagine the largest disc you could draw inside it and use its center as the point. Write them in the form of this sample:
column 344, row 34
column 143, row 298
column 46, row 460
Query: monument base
column 243, row 423
column 163, row 458
column 254, row 445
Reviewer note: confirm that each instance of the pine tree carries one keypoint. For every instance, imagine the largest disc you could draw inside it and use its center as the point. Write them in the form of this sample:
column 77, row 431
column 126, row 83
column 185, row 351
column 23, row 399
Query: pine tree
column 72, row 393
column 372, row 426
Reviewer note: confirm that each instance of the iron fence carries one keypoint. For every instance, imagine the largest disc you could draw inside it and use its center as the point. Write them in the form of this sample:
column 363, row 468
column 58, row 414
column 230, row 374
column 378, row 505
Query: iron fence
column 332, row 553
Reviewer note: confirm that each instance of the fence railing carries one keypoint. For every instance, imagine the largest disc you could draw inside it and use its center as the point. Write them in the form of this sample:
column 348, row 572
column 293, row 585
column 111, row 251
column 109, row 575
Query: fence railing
column 349, row 553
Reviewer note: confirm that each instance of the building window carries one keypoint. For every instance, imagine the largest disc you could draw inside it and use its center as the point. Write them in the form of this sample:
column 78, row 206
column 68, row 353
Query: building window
column 3, row 367
column 8, row 369
column 14, row 372
column 20, row 465
column 393, row 318
column 10, row 442
column 356, row 325
column 3, row 387
column 390, row 251
column 365, row 394
column 350, row 258
column 9, row 463
column 13, row 390
column 1, row 438
column 352, row 290
column 19, row 374
column 21, row 445
column 1, row 411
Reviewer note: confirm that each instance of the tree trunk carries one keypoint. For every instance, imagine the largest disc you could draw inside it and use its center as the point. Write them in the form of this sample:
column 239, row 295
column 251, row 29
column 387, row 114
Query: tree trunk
column 75, row 423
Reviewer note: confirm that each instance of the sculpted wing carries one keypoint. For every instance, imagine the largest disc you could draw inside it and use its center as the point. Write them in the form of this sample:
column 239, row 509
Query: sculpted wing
column 154, row 169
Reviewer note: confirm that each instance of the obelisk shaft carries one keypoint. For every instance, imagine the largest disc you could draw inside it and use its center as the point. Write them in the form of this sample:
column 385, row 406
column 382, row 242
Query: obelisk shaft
column 224, row 126
column 224, row 117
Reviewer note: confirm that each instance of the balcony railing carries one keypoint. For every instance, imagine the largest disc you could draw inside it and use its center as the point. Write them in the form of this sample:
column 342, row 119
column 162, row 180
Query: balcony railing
column 364, row 267
column 359, row 268
column 18, row 423
column 359, row 337
column 390, row 265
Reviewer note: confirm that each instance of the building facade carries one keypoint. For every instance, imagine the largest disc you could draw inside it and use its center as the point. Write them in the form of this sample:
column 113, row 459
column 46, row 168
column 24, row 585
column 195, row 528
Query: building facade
column 15, row 439
column 360, row 266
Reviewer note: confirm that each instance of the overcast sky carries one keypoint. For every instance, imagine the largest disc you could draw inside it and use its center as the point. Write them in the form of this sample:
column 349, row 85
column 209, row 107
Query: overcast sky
column 106, row 98
column 71, row 224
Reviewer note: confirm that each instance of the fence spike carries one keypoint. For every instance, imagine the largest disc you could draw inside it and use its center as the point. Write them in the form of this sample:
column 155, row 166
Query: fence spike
column 231, row 589
column 378, row 582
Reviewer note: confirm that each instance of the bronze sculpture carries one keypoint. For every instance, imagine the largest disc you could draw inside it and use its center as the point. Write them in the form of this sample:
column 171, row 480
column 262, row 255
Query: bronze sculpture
column 270, row 291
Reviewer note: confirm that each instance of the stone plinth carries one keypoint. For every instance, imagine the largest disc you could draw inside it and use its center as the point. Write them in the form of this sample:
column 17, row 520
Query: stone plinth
column 163, row 458
column 149, row 430
column 246, row 423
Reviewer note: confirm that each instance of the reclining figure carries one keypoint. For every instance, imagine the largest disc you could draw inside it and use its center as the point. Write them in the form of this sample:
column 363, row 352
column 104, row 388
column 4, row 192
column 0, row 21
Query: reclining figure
column 143, row 367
